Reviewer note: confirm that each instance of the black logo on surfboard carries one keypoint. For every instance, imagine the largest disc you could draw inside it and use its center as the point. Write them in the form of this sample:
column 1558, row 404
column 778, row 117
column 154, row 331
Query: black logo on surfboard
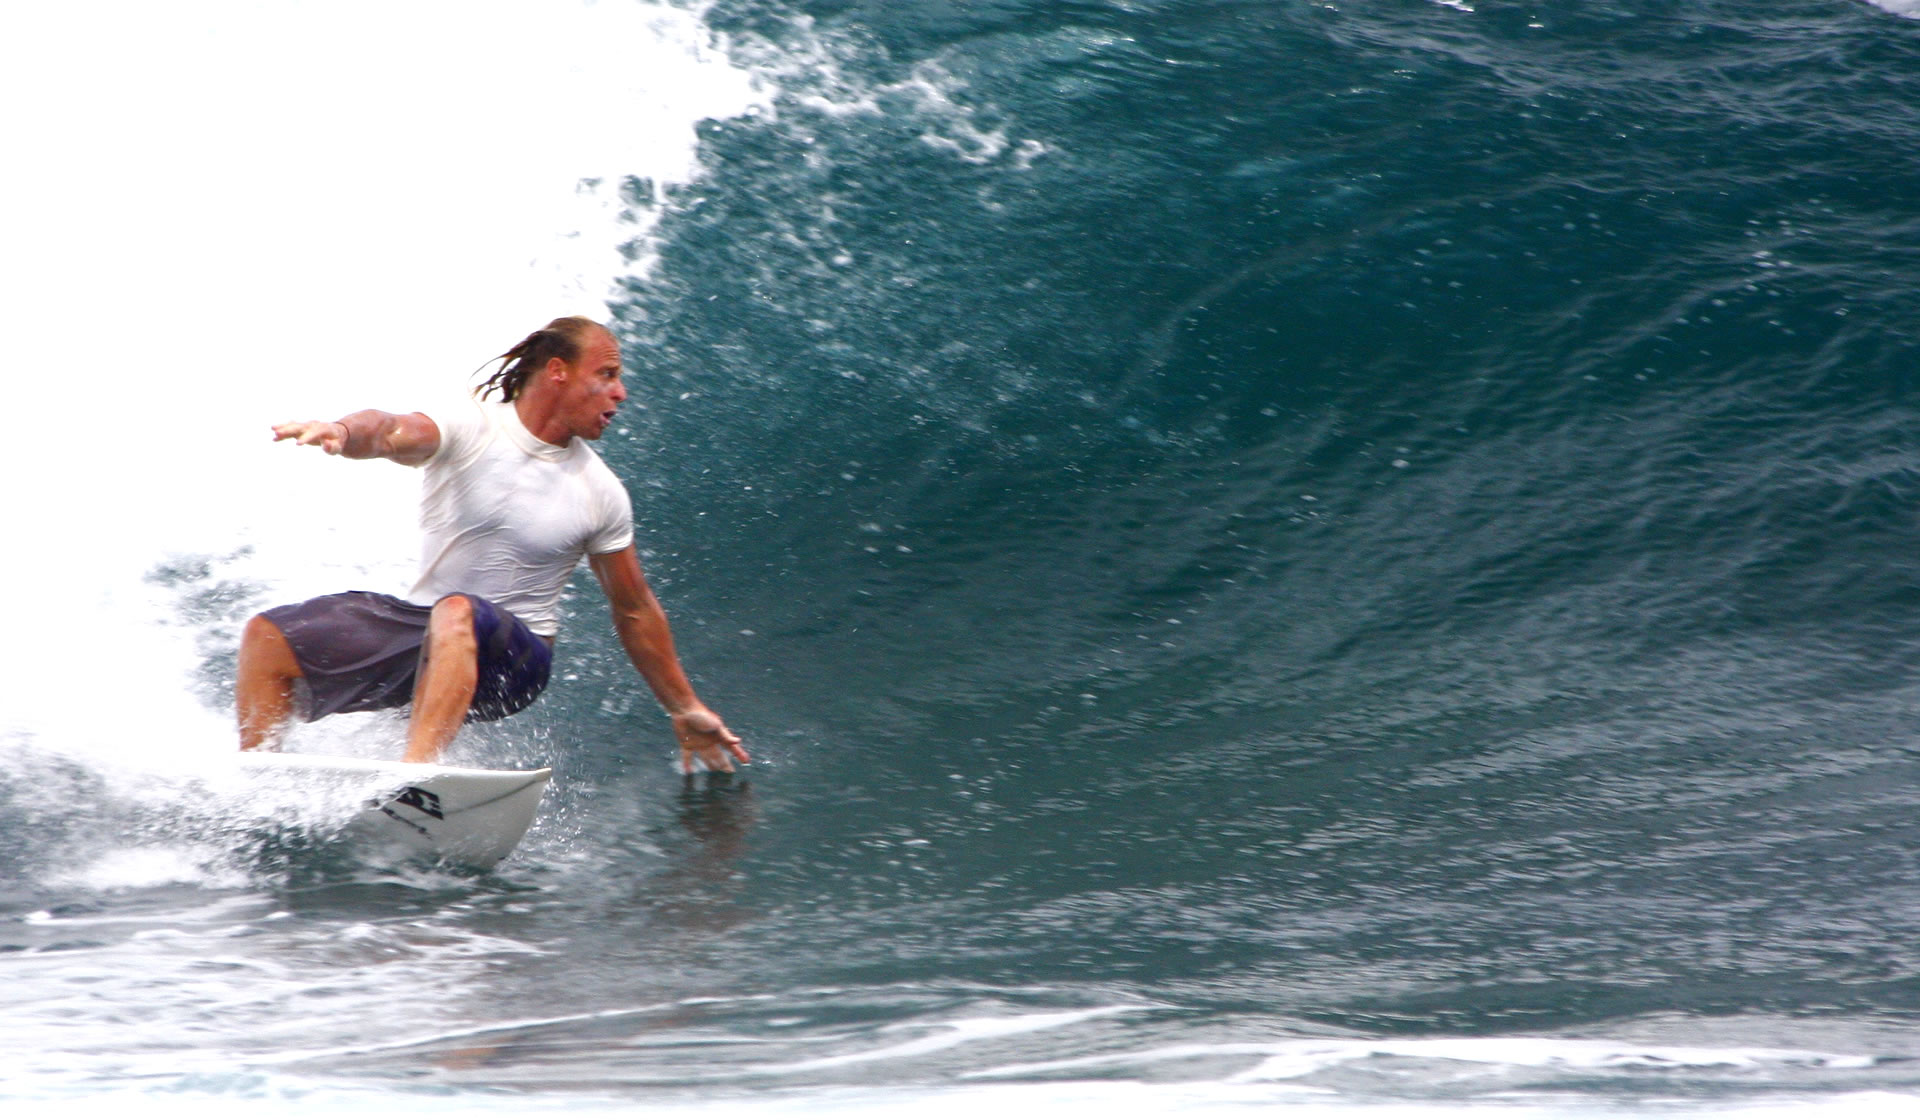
column 413, row 797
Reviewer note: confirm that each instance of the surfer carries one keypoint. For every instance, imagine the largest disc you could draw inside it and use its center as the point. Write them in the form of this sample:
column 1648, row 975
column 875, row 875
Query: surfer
column 513, row 497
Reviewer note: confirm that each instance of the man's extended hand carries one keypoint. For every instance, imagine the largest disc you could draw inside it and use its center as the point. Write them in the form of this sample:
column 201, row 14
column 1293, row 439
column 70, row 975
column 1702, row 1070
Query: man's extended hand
column 704, row 737
column 329, row 436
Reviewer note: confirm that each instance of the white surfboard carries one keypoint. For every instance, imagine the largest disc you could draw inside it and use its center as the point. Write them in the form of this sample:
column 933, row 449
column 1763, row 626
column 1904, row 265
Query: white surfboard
column 456, row 814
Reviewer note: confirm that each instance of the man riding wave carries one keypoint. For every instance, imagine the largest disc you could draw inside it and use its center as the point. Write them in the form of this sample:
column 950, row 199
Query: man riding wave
column 512, row 499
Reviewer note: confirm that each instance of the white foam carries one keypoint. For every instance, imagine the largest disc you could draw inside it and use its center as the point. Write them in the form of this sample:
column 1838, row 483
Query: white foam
column 958, row 1032
column 291, row 1096
column 223, row 213
column 139, row 868
column 1291, row 1059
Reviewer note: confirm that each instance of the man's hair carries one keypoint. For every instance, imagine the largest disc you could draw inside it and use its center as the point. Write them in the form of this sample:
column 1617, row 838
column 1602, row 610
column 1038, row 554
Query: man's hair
column 563, row 339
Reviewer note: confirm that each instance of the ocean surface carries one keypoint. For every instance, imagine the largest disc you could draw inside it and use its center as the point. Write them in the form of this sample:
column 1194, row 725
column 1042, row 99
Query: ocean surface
column 1350, row 557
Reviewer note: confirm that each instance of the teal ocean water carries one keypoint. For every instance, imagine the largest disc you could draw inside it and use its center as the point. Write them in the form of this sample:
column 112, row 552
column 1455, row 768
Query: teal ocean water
column 1356, row 556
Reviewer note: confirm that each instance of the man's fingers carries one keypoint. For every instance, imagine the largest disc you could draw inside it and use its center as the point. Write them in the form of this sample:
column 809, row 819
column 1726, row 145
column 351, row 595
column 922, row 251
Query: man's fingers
column 731, row 744
column 703, row 736
column 712, row 749
column 715, row 758
column 710, row 758
column 327, row 435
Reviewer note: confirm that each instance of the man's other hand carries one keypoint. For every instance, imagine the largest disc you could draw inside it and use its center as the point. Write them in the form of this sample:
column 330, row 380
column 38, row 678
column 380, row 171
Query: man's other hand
column 702, row 736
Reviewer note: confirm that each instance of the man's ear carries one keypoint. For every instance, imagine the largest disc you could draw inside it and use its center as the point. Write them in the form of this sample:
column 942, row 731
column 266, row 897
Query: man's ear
column 557, row 370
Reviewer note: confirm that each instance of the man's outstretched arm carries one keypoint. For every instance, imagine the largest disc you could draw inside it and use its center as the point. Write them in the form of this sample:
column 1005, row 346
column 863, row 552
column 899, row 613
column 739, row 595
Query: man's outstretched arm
column 642, row 627
column 409, row 439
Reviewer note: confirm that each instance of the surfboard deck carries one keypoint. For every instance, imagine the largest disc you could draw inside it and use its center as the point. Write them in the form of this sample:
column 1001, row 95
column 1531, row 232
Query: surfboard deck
column 458, row 815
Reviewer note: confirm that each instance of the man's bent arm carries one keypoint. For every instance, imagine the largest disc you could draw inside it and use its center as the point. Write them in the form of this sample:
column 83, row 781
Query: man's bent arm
column 643, row 631
column 409, row 439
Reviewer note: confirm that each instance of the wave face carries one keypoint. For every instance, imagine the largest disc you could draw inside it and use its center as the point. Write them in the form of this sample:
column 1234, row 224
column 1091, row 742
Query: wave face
column 1412, row 504
column 1266, row 553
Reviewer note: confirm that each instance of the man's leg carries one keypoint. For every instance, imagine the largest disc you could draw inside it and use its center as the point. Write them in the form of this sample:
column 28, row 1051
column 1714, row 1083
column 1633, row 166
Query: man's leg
column 449, row 672
column 263, row 685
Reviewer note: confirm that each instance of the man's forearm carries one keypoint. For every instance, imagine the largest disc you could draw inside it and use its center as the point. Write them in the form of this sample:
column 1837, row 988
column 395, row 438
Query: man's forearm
column 642, row 626
column 373, row 434
column 644, row 634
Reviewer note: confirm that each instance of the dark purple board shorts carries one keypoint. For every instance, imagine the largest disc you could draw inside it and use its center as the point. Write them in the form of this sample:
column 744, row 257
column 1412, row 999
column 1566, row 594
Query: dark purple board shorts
column 360, row 651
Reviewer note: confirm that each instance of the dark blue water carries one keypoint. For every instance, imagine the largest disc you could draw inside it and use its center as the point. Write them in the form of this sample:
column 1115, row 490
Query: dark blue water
column 1401, row 510
column 1265, row 547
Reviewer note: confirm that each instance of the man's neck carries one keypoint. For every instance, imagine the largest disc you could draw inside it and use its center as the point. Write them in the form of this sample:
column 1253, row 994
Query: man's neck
column 541, row 419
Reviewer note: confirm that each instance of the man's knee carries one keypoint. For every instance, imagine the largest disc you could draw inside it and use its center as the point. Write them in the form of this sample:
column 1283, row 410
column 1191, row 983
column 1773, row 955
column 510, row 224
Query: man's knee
column 264, row 645
column 261, row 629
column 450, row 626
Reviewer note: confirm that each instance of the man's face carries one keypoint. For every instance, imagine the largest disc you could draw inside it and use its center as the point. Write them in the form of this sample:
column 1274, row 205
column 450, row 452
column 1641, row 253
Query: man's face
column 593, row 387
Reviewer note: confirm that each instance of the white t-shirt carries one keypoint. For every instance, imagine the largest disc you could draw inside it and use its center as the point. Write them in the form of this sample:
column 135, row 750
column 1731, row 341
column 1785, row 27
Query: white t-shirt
column 507, row 516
